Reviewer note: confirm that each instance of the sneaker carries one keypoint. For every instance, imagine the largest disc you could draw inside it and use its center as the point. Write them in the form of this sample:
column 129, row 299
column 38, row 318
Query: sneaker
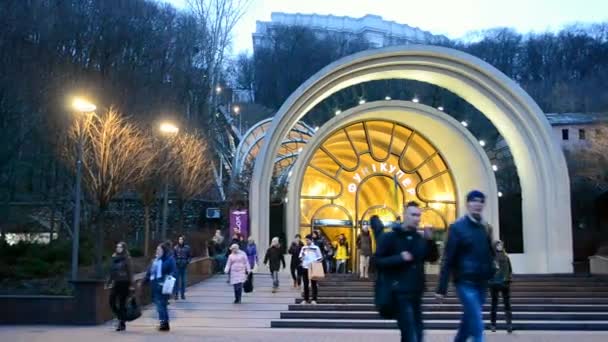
column 175, row 297
column 509, row 329
column 274, row 290
column 314, row 302
column 493, row 327
column 183, row 297
column 121, row 326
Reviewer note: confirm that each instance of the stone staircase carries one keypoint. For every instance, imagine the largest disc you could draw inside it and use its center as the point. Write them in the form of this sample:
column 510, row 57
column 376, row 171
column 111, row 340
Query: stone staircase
column 539, row 302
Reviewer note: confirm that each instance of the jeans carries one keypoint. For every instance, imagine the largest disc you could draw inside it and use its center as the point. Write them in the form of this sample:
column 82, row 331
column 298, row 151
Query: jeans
column 506, row 299
column 472, row 298
column 409, row 318
column 295, row 274
column 181, row 281
column 341, row 266
column 275, row 279
column 313, row 283
column 364, row 266
column 238, row 292
column 118, row 299
column 160, row 300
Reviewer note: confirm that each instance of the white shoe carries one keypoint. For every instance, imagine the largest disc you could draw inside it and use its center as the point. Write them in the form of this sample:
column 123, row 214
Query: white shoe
column 313, row 302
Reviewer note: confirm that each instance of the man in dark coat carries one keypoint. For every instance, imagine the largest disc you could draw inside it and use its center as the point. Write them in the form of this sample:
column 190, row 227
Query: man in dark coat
column 400, row 257
column 468, row 257
column 182, row 259
column 274, row 256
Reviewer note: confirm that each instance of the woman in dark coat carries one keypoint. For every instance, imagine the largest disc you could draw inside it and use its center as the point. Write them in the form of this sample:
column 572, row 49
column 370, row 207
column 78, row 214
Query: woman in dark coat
column 120, row 280
column 501, row 283
column 162, row 266
column 294, row 251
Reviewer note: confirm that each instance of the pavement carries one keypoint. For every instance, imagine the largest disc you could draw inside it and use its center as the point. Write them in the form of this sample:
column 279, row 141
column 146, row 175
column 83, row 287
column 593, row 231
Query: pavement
column 208, row 314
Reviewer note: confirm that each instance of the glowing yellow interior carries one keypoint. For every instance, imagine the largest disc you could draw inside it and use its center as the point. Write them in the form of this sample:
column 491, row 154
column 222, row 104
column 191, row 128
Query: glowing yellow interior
column 373, row 168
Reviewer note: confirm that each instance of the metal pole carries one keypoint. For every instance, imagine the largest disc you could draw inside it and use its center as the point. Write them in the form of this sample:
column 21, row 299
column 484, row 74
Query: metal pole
column 165, row 209
column 76, row 221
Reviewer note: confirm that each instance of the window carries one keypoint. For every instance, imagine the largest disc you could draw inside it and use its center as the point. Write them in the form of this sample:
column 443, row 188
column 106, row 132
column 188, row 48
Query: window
column 581, row 134
column 565, row 134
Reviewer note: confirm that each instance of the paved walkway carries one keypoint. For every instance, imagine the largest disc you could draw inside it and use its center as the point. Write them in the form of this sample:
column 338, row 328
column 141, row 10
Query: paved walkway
column 209, row 315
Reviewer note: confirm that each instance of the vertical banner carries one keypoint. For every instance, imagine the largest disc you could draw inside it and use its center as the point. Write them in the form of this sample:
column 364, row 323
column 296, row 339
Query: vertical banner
column 239, row 222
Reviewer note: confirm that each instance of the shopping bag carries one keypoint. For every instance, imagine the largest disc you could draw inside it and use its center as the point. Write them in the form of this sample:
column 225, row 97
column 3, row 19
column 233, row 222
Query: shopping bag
column 168, row 285
column 315, row 272
column 133, row 310
column 248, row 285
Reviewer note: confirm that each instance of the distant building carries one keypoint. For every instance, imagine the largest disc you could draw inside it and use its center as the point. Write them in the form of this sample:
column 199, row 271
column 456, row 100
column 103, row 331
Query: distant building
column 377, row 31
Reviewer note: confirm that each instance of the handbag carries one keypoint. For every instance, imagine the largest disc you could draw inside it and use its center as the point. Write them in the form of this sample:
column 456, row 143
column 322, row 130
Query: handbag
column 315, row 271
column 133, row 310
column 384, row 297
column 248, row 285
column 168, row 285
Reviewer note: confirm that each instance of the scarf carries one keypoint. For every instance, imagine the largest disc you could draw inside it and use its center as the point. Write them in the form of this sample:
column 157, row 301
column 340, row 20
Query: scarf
column 157, row 269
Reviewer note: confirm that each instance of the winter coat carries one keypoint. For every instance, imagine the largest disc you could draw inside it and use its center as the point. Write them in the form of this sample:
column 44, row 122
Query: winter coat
column 468, row 256
column 342, row 250
column 502, row 277
column 252, row 254
column 168, row 268
column 275, row 257
column 409, row 275
column 364, row 244
column 182, row 255
column 120, row 269
column 294, row 251
column 238, row 267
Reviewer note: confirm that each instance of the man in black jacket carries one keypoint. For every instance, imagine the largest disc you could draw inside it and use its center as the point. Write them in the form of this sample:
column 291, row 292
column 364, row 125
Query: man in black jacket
column 468, row 257
column 400, row 257
column 274, row 257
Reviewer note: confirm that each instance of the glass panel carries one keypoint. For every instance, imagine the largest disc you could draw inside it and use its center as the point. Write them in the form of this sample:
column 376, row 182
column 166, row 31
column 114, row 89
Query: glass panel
column 380, row 133
column 318, row 184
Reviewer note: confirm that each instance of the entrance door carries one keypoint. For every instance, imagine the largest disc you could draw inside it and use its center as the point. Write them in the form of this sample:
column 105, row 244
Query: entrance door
column 332, row 234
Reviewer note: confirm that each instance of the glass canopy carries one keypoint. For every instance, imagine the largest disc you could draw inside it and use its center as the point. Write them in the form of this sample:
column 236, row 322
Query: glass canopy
column 373, row 168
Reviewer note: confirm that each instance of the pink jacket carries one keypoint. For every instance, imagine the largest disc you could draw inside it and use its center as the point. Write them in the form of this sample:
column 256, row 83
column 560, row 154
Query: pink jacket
column 238, row 266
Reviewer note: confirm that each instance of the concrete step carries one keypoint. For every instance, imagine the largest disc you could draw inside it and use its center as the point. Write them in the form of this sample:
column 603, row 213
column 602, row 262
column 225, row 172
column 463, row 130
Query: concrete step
column 514, row 287
column 446, row 315
column 452, row 300
column 455, row 307
column 435, row 324
column 539, row 294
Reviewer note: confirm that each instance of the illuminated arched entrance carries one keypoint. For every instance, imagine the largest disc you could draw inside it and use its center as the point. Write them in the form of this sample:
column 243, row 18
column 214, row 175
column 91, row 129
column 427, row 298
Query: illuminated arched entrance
column 374, row 167
column 541, row 165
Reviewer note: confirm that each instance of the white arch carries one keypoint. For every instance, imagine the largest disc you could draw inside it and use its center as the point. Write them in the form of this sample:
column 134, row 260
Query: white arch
column 540, row 162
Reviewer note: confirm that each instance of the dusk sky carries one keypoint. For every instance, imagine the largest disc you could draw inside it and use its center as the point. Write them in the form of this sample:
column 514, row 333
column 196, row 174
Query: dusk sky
column 451, row 18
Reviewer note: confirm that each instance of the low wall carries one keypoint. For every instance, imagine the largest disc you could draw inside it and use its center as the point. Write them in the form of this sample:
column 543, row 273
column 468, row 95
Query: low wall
column 89, row 304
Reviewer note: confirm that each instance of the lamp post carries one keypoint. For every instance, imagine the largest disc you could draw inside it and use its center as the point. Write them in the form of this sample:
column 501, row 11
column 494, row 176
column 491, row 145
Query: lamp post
column 237, row 111
column 82, row 107
column 169, row 130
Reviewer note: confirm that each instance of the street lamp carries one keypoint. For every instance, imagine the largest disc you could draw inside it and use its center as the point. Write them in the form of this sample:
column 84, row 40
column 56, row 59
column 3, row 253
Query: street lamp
column 80, row 106
column 169, row 130
column 237, row 110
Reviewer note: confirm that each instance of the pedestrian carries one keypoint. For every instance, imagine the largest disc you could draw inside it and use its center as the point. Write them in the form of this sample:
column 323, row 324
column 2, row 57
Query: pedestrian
column 237, row 268
column 162, row 267
column 295, row 263
column 342, row 254
column 252, row 252
column 309, row 254
column 400, row 257
column 182, row 259
column 468, row 257
column 364, row 246
column 324, row 247
column 219, row 248
column 274, row 258
column 501, row 284
column 120, row 280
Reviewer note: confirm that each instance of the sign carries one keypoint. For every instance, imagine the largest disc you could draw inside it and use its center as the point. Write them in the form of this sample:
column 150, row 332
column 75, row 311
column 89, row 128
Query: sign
column 381, row 168
column 239, row 222
column 213, row 213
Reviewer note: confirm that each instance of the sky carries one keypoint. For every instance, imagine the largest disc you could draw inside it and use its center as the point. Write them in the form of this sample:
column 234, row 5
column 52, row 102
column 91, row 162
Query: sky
column 453, row 19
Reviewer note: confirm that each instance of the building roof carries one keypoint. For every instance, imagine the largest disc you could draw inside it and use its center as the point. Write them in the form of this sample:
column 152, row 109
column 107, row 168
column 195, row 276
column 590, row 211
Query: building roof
column 565, row 119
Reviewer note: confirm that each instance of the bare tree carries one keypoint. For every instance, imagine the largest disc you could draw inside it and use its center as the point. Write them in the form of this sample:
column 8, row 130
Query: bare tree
column 115, row 158
column 217, row 19
column 191, row 172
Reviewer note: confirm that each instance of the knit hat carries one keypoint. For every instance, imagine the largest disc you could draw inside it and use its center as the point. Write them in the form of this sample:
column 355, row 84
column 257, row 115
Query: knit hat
column 476, row 194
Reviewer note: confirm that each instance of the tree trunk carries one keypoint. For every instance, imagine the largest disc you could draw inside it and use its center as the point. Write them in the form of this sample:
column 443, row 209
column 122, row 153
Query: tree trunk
column 181, row 206
column 99, row 243
column 146, row 230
